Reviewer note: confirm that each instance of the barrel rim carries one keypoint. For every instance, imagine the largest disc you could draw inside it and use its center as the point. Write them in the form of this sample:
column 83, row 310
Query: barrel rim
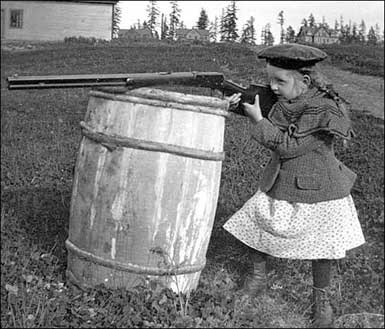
column 154, row 101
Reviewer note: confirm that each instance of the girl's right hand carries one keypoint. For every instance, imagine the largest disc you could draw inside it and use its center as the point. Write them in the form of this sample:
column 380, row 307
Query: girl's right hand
column 253, row 111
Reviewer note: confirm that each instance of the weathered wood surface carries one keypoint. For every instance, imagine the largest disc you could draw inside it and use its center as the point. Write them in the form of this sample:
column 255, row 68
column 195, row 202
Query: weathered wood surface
column 127, row 200
column 55, row 20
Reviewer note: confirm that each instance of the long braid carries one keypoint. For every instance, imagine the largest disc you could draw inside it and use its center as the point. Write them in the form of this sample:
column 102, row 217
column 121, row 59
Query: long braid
column 319, row 81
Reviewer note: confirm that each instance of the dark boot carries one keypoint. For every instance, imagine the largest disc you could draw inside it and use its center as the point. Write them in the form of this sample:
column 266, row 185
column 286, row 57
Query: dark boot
column 256, row 280
column 322, row 310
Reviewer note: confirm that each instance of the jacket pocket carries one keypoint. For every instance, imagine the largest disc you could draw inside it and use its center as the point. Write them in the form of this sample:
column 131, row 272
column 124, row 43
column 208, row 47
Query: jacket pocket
column 313, row 182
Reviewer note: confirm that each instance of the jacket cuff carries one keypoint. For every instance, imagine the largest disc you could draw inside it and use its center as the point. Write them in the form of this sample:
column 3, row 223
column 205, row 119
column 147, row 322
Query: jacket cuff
column 267, row 134
column 264, row 130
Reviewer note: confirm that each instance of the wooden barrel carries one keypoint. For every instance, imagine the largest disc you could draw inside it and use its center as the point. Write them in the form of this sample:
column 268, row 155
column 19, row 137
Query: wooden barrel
column 145, row 188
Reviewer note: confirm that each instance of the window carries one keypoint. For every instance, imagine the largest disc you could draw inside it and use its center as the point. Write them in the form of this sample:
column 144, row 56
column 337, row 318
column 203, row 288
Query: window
column 16, row 20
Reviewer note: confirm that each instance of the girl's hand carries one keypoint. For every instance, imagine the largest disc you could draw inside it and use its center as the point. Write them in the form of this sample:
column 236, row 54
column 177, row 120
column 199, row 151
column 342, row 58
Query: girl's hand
column 253, row 110
column 234, row 100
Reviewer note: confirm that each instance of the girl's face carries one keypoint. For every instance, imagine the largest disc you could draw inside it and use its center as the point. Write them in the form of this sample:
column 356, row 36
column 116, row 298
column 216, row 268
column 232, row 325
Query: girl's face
column 286, row 84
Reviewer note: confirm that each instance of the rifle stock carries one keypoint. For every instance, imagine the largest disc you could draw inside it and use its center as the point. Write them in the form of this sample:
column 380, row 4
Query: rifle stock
column 213, row 80
column 266, row 97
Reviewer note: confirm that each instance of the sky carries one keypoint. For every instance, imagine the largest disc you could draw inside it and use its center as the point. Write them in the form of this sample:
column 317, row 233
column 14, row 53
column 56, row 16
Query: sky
column 264, row 12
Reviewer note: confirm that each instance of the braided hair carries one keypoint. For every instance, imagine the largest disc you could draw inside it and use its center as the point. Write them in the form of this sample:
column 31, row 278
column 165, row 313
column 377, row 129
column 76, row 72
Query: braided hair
column 319, row 81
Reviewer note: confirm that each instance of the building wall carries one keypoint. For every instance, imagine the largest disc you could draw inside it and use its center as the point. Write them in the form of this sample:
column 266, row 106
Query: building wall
column 193, row 35
column 55, row 20
column 320, row 37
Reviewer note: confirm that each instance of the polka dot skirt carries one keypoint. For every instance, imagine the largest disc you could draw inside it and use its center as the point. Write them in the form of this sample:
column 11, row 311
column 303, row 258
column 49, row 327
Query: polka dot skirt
column 297, row 230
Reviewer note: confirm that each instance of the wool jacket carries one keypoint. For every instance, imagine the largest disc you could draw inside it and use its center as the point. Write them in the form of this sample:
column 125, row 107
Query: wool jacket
column 301, row 133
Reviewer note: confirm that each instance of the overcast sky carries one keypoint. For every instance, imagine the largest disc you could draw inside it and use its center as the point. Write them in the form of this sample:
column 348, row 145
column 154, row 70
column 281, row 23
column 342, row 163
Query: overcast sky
column 264, row 12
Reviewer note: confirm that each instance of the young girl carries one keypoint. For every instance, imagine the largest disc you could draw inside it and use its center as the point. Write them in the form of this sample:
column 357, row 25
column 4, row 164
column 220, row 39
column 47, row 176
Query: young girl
column 303, row 208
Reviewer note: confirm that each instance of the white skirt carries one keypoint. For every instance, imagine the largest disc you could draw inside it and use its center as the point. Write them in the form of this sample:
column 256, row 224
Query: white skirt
column 322, row 230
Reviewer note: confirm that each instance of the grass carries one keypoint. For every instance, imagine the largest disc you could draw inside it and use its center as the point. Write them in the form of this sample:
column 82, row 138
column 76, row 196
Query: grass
column 40, row 137
column 357, row 58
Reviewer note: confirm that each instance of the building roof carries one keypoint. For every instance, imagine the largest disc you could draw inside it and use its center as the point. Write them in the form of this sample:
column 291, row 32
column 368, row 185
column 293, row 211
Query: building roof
column 204, row 33
column 308, row 30
column 184, row 32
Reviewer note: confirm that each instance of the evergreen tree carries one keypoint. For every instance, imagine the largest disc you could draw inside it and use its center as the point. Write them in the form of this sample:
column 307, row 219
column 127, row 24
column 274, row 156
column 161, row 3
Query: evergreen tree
column 203, row 20
column 222, row 26
column 348, row 33
column 324, row 24
column 153, row 14
column 336, row 25
column 230, row 23
column 164, row 28
column 214, row 30
column 341, row 22
column 372, row 38
column 174, row 19
column 311, row 20
column 290, row 35
column 304, row 22
column 267, row 36
column 248, row 33
column 117, row 16
column 263, row 34
column 355, row 36
column 362, row 31
column 377, row 31
column 280, row 22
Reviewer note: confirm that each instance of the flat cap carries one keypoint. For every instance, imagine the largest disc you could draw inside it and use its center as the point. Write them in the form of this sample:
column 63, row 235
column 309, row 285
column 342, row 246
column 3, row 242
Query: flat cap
column 292, row 55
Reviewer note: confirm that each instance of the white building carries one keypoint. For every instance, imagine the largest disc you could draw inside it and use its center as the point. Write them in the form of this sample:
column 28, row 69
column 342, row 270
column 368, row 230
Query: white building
column 55, row 20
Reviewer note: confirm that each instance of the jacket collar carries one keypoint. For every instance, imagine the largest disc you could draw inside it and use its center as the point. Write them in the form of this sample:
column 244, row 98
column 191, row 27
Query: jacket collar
column 285, row 112
column 310, row 112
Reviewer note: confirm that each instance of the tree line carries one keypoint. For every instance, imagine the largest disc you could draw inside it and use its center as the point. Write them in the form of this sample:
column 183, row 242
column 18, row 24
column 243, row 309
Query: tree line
column 225, row 27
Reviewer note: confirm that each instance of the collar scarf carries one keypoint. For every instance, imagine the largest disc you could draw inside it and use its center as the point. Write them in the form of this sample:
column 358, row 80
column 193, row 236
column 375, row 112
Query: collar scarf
column 313, row 111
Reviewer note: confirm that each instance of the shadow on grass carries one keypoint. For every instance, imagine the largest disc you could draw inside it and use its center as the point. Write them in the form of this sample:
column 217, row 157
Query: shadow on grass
column 41, row 217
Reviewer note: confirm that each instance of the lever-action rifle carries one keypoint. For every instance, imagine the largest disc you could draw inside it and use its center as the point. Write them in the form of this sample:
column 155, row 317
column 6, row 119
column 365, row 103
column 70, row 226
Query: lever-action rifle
column 124, row 82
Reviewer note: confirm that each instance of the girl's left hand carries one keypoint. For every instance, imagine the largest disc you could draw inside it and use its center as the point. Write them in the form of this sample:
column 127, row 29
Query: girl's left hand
column 234, row 100
column 253, row 110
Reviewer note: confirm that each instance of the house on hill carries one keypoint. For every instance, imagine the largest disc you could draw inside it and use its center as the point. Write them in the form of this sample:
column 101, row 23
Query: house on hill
column 192, row 34
column 55, row 20
column 317, row 35
column 136, row 34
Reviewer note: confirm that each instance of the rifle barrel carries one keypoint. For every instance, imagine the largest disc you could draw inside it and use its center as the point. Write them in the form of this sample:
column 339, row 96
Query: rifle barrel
column 98, row 80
